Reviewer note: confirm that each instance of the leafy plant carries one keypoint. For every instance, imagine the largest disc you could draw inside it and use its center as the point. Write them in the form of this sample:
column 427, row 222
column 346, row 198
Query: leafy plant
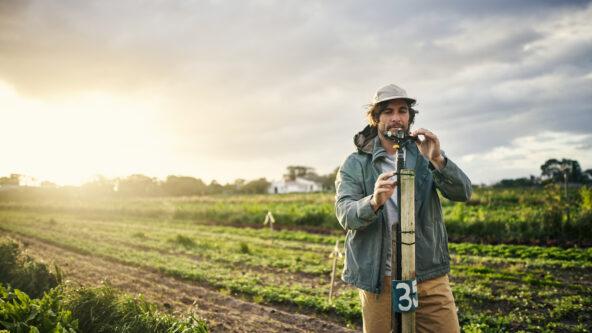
column 19, row 313
column 23, row 273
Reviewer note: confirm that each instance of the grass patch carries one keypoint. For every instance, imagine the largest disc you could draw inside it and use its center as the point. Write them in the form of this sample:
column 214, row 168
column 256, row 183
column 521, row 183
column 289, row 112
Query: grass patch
column 184, row 241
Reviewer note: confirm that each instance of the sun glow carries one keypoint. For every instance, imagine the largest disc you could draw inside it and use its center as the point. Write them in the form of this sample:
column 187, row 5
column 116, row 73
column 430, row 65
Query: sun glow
column 66, row 141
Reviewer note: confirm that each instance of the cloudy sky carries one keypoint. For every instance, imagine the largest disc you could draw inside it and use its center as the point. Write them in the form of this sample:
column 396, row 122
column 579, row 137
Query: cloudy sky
column 241, row 89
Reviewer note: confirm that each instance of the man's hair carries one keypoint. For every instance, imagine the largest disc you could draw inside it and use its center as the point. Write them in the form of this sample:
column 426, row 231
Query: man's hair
column 375, row 110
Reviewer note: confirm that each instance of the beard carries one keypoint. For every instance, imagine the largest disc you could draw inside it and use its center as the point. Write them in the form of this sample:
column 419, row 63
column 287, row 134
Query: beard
column 393, row 128
column 396, row 127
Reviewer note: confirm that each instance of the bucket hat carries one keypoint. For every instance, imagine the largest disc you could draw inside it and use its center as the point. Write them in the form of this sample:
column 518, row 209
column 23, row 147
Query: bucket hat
column 389, row 92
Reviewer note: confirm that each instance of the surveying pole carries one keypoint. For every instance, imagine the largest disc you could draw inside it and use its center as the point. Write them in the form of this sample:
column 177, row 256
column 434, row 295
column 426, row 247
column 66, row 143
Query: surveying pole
column 404, row 286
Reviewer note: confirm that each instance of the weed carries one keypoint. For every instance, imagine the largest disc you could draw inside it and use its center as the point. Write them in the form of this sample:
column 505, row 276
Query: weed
column 184, row 241
column 103, row 309
column 244, row 248
column 139, row 235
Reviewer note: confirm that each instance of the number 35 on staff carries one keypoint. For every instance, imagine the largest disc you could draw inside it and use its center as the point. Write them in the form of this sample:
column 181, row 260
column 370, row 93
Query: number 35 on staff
column 404, row 295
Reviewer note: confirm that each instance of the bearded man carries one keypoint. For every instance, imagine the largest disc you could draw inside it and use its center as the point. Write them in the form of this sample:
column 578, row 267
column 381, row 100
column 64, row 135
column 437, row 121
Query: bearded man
column 367, row 209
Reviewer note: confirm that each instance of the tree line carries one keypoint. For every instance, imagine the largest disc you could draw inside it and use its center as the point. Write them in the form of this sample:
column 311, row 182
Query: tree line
column 142, row 185
column 552, row 171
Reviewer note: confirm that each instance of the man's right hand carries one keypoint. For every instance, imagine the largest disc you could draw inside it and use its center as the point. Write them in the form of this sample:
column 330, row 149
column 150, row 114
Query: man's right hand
column 383, row 190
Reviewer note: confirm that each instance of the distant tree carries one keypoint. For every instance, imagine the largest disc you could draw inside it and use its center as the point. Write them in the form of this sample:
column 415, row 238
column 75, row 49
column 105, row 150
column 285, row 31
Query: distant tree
column 299, row 171
column 238, row 184
column 554, row 169
column 100, row 184
column 214, row 187
column 48, row 184
column 587, row 176
column 13, row 180
column 518, row 182
column 574, row 171
column 139, row 185
column 329, row 180
column 183, row 185
column 256, row 186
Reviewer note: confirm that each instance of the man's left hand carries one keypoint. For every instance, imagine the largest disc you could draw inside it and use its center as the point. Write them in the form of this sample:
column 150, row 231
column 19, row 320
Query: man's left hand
column 430, row 147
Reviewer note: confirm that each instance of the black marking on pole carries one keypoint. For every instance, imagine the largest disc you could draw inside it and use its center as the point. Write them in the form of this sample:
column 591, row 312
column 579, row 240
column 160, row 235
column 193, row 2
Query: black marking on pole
column 404, row 232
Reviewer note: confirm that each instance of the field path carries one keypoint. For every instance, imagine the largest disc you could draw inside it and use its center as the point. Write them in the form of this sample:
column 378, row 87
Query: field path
column 223, row 313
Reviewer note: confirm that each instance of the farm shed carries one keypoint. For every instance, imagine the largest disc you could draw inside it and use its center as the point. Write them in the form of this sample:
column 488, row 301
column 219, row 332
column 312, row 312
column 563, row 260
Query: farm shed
column 299, row 185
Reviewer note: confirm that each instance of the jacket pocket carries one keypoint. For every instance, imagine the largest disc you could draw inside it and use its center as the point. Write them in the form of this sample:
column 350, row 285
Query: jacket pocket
column 363, row 252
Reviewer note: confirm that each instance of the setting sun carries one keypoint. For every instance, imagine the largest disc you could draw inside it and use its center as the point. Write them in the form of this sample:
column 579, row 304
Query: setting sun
column 66, row 141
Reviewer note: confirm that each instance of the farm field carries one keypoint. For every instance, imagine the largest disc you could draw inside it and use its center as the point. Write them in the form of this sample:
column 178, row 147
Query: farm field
column 176, row 254
column 494, row 215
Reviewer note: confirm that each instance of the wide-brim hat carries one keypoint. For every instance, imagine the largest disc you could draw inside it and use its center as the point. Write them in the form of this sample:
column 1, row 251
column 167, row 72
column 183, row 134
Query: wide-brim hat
column 390, row 92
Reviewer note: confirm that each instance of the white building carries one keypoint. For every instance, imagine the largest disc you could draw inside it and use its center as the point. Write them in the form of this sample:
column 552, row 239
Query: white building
column 300, row 185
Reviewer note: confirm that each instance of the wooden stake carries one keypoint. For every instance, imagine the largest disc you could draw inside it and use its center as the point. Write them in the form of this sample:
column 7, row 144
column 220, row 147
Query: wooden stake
column 407, row 206
column 269, row 219
column 407, row 239
column 566, row 194
column 394, row 315
column 336, row 254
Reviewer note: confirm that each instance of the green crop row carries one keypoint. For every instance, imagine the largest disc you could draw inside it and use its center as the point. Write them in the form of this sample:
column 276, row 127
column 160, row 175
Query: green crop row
column 584, row 256
column 245, row 246
column 526, row 214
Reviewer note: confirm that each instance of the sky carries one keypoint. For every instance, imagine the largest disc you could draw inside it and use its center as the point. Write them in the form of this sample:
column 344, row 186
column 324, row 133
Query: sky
column 242, row 89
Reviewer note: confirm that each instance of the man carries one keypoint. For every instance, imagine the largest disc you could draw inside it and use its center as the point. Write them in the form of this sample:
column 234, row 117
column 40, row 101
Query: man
column 366, row 207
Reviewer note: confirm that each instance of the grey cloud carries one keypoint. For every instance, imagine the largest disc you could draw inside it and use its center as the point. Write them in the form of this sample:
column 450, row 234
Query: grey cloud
column 386, row 9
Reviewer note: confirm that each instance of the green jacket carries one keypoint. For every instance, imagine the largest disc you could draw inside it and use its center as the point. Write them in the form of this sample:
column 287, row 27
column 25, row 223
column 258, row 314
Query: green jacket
column 366, row 243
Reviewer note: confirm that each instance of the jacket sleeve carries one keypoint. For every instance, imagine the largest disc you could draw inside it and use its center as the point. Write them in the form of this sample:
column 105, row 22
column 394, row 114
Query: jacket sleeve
column 352, row 205
column 452, row 182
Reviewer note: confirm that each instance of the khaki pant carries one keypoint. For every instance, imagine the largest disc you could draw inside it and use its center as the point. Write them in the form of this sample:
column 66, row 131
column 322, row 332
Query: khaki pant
column 436, row 312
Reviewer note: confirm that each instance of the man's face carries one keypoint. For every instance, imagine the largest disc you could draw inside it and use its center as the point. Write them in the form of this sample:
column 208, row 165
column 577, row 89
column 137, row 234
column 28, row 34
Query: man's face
column 395, row 116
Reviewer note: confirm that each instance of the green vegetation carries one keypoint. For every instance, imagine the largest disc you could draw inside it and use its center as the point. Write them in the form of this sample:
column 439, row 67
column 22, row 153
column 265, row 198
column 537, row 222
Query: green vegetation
column 497, row 287
column 532, row 215
column 19, row 313
column 219, row 242
column 86, row 309
column 67, row 309
column 103, row 309
column 21, row 272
